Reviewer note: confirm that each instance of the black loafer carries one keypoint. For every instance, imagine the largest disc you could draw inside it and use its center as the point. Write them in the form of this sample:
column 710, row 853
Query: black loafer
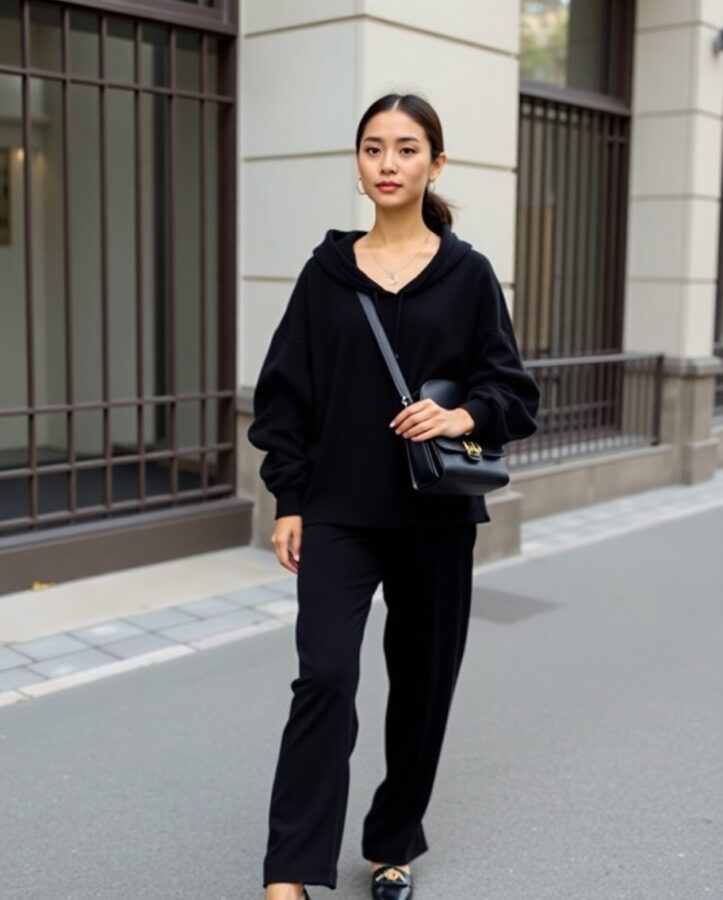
column 391, row 883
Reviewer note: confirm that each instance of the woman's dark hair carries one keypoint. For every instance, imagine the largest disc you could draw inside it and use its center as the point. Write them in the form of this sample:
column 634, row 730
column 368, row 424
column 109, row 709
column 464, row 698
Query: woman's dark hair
column 435, row 210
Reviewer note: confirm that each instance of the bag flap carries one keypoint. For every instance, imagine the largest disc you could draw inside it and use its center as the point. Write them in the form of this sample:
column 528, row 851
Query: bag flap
column 455, row 445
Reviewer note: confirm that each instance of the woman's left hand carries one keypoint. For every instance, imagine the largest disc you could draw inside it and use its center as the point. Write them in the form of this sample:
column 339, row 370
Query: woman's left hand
column 426, row 419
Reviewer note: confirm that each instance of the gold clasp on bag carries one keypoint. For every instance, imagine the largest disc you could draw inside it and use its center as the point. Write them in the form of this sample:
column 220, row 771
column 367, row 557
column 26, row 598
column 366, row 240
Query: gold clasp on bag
column 472, row 449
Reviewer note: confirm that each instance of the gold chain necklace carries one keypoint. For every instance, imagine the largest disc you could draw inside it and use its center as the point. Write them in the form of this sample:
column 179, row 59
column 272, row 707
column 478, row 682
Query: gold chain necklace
column 393, row 275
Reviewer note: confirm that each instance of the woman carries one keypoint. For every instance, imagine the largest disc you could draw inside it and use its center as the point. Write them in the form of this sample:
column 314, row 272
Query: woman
column 347, row 519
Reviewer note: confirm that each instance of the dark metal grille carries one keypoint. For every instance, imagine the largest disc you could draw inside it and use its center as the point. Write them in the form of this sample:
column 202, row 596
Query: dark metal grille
column 570, row 279
column 571, row 218
column 591, row 405
column 118, row 297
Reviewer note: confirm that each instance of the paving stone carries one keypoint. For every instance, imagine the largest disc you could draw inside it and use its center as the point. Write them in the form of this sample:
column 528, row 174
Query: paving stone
column 105, row 632
column 136, row 646
column 283, row 585
column 207, row 607
column 278, row 607
column 254, row 596
column 73, row 662
column 155, row 619
column 50, row 647
column 216, row 625
column 10, row 659
column 17, row 678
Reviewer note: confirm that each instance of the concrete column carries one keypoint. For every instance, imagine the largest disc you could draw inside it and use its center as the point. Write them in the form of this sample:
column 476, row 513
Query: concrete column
column 674, row 214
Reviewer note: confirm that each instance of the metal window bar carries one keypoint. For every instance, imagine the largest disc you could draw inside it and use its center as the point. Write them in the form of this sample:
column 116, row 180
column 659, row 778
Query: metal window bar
column 20, row 511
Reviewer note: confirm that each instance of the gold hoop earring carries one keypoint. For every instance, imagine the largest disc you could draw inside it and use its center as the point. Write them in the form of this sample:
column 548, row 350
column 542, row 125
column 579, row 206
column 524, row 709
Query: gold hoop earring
column 358, row 183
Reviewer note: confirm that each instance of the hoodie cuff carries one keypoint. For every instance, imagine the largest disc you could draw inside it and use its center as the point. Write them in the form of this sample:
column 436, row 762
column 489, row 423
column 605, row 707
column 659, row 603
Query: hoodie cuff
column 480, row 412
column 289, row 503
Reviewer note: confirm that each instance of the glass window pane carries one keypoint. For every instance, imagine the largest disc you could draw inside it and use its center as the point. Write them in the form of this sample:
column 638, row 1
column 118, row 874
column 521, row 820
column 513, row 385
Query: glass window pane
column 48, row 237
column 188, row 230
column 85, row 233
column 90, row 488
column 84, row 43
column 212, row 64
column 88, row 433
column 188, row 423
column 13, row 318
column 14, row 500
column 158, row 477
column 154, row 55
column 125, row 482
column 10, row 44
column 51, row 435
column 45, row 36
column 189, row 471
column 211, row 238
column 561, row 43
column 155, row 238
column 188, row 60
column 121, row 195
column 52, row 492
column 119, row 50
column 14, row 452
column 124, row 430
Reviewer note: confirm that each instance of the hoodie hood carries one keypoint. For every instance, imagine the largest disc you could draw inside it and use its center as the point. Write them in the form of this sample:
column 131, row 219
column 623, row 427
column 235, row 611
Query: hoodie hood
column 336, row 255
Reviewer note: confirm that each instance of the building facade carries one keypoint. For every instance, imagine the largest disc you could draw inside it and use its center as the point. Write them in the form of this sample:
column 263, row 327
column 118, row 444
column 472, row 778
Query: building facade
column 167, row 167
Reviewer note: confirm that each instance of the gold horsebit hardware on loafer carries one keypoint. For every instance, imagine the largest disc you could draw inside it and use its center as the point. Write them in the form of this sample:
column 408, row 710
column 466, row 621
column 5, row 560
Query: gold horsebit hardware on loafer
column 391, row 874
column 472, row 449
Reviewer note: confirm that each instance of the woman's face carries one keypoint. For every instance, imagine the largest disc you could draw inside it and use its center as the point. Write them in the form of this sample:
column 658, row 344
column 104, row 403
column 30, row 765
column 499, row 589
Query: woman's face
column 394, row 148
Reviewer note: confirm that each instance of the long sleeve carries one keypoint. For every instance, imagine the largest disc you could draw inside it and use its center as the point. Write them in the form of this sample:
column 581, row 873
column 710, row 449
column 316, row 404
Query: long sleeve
column 502, row 396
column 283, row 406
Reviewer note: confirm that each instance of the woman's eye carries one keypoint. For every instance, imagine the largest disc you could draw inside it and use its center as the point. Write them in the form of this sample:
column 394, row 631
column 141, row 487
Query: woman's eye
column 411, row 149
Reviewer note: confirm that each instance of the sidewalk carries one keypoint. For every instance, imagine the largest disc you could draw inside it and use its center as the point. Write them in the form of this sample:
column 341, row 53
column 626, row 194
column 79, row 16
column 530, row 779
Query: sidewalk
column 92, row 628
column 581, row 759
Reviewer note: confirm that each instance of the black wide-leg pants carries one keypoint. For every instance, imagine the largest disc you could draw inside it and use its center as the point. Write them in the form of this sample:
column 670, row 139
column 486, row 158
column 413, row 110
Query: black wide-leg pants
column 426, row 573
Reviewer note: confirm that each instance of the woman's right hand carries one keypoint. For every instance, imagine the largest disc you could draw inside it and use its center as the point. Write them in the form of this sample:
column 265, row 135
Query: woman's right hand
column 286, row 538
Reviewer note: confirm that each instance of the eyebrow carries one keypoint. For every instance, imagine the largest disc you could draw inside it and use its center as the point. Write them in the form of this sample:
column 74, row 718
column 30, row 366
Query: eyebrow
column 399, row 140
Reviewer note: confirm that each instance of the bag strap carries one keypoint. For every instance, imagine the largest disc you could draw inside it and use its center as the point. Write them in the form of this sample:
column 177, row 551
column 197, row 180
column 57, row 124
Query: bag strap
column 386, row 348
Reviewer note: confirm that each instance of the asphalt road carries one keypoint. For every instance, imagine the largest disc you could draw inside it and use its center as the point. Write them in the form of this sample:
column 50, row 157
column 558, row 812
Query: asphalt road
column 583, row 758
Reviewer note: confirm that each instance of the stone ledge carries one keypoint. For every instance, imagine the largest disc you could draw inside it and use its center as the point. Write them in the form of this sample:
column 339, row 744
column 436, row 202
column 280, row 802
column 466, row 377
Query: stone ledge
column 693, row 367
column 245, row 400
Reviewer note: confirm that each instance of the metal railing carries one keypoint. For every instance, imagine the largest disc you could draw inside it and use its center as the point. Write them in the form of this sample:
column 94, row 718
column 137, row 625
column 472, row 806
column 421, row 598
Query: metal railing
column 592, row 404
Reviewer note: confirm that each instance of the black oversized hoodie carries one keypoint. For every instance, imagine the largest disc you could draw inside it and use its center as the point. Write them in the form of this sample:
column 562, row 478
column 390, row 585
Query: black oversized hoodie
column 324, row 397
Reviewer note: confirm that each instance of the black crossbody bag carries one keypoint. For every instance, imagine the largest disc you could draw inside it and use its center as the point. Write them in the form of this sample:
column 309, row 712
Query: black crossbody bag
column 441, row 465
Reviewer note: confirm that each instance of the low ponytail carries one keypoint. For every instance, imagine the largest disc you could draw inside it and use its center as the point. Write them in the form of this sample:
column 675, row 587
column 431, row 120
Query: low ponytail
column 435, row 210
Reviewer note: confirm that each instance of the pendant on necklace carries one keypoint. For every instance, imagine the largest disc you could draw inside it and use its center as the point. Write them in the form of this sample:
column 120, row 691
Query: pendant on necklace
column 392, row 279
